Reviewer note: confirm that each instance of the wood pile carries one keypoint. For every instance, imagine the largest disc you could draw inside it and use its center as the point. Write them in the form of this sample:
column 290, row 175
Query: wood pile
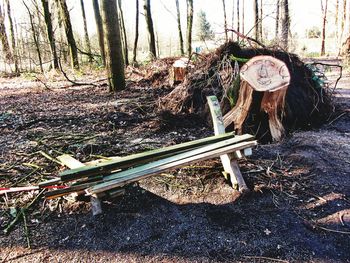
column 107, row 178
column 306, row 102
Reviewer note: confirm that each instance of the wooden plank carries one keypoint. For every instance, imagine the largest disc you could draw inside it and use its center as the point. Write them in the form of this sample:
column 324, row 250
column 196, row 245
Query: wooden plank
column 141, row 172
column 131, row 160
column 69, row 161
column 230, row 164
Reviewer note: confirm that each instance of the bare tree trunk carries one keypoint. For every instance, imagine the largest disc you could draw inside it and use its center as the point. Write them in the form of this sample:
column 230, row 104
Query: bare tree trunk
column 150, row 29
column 342, row 26
column 114, row 54
column 49, row 33
column 324, row 12
column 256, row 19
column 181, row 40
column 99, row 28
column 69, row 34
column 35, row 38
column 232, row 20
column 277, row 19
column 337, row 21
column 136, row 31
column 238, row 20
column 86, row 33
column 12, row 34
column 285, row 24
column 189, row 26
column 3, row 37
column 261, row 21
column 126, row 51
column 243, row 17
column 225, row 20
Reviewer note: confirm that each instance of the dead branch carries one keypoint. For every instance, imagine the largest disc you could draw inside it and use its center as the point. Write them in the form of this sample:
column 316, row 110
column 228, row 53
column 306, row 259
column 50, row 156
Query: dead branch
column 246, row 37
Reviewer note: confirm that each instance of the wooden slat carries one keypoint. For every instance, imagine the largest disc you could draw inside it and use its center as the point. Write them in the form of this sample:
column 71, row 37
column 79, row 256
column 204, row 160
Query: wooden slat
column 230, row 164
column 131, row 160
column 141, row 172
column 69, row 161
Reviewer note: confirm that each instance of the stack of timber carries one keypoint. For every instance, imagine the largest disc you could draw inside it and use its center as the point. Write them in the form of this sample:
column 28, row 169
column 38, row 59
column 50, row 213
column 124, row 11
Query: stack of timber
column 107, row 178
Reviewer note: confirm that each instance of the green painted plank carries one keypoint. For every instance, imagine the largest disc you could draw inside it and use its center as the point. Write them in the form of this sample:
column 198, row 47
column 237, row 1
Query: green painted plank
column 141, row 172
column 144, row 157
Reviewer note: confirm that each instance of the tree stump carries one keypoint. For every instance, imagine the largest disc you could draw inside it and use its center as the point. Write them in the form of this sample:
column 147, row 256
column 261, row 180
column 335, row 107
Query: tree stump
column 262, row 74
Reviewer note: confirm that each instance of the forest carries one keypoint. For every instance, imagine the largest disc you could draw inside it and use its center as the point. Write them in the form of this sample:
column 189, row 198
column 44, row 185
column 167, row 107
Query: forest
column 174, row 131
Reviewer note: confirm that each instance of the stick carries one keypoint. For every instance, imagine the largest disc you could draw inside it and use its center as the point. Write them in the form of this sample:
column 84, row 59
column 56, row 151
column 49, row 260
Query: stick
column 246, row 37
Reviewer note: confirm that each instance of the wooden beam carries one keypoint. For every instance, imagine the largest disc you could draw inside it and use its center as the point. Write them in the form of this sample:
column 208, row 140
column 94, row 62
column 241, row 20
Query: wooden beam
column 70, row 162
column 144, row 171
column 139, row 158
column 230, row 164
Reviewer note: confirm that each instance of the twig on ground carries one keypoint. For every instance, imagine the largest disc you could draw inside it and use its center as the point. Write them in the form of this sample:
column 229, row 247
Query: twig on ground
column 266, row 258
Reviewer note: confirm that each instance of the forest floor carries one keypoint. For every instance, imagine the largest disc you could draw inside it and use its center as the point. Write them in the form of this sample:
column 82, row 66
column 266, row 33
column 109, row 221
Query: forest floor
column 298, row 208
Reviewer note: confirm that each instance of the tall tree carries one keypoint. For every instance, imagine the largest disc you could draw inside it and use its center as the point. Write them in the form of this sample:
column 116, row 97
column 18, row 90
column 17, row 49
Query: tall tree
column 35, row 37
column 69, row 34
column 277, row 24
column 337, row 20
column 343, row 20
column 12, row 34
column 261, row 21
column 113, row 49
column 189, row 26
column 125, row 39
column 150, row 29
column 136, row 31
column 49, row 33
column 3, row 37
column 285, row 24
column 99, row 28
column 233, row 18
column 238, row 20
column 324, row 8
column 86, row 33
column 181, row 40
column 225, row 20
column 256, row 19
column 243, row 15
column 204, row 31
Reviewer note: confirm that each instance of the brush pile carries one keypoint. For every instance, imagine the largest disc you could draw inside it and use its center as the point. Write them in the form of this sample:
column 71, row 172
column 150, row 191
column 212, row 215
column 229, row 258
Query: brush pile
column 307, row 103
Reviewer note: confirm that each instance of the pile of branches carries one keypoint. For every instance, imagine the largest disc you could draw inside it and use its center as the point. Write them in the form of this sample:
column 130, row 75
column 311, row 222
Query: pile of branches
column 308, row 100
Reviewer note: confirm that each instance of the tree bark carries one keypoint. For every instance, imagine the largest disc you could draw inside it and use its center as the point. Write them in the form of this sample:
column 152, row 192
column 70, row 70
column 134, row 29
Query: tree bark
column 49, row 33
column 181, row 40
column 277, row 19
column 35, row 38
column 3, row 37
column 324, row 12
column 99, row 28
column 225, row 20
column 261, row 21
column 256, row 20
column 126, row 51
column 243, row 17
column 232, row 20
column 113, row 48
column 337, row 20
column 12, row 34
column 136, row 31
column 189, row 26
column 150, row 29
column 69, row 34
column 238, row 20
column 285, row 24
column 86, row 33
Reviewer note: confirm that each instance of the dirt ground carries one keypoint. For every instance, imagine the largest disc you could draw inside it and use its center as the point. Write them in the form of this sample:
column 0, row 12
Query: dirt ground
column 298, row 209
